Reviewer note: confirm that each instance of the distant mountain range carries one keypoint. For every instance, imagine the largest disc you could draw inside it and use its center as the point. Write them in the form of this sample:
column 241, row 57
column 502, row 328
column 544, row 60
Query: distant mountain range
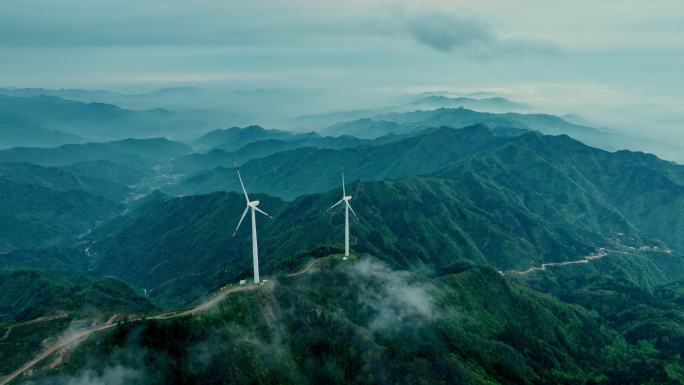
column 197, row 162
column 420, row 102
column 15, row 132
column 56, row 121
column 168, row 98
column 48, row 118
column 231, row 139
column 375, row 123
column 133, row 152
column 411, row 122
column 491, row 104
column 224, row 106
column 224, row 147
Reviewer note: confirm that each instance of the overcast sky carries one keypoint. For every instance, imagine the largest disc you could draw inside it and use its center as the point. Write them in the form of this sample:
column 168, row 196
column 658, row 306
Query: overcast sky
column 618, row 62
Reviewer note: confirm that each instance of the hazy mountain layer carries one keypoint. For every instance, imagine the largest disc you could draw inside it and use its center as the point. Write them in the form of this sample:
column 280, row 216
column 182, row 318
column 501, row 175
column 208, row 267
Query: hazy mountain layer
column 196, row 162
column 231, row 139
column 100, row 121
column 426, row 101
column 134, row 152
column 15, row 132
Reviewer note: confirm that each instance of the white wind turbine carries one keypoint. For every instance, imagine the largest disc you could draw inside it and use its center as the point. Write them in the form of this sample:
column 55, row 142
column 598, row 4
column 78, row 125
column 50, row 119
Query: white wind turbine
column 347, row 207
column 255, row 247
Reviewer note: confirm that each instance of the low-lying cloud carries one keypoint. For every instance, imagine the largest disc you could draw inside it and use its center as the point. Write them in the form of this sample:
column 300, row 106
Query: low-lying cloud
column 115, row 375
column 395, row 296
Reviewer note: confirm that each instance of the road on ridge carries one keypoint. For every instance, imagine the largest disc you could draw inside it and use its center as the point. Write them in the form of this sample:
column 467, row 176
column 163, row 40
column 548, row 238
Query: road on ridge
column 85, row 333
column 60, row 314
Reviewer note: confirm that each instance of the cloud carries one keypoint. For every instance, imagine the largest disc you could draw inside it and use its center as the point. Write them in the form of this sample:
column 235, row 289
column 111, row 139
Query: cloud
column 395, row 296
column 447, row 31
column 116, row 375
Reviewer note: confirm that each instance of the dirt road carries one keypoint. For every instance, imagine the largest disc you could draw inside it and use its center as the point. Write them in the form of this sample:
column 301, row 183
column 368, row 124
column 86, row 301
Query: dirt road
column 82, row 334
column 585, row 259
column 39, row 319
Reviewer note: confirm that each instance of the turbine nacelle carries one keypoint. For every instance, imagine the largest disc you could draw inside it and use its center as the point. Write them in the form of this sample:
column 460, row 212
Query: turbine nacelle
column 253, row 203
column 347, row 198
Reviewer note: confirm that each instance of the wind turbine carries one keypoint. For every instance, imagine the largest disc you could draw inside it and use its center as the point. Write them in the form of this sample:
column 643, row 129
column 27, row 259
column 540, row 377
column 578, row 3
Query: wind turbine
column 255, row 247
column 347, row 207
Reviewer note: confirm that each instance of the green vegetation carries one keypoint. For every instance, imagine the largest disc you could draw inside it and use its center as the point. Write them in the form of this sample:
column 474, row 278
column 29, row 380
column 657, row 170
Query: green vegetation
column 25, row 340
column 51, row 259
column 307, row 170
column 34, row 215
column 363, row 323
column 64, row 179
column 454, row 217
column 35, row 306
column 106, row 170
column 29, row 294
column 640, row 296
column 521, row 203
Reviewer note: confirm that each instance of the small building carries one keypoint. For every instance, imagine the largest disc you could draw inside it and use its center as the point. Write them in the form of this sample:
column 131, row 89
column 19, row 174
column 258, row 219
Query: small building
column 243, row 282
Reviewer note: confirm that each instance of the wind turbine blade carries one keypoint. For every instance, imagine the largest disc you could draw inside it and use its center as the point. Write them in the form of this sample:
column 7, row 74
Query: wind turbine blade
column 263, row 212
column 338, row 202
column 242, row 184
column 352, row 211
column 344, row 192
column 241, row 219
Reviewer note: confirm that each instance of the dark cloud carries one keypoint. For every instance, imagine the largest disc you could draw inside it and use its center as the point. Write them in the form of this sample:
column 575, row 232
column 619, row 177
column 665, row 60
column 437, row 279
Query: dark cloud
column 469, row 36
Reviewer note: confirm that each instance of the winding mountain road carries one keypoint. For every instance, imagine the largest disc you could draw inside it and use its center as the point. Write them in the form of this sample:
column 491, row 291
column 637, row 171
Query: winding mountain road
column 82, row 334
column 585, row 259
column 61, row 343
column 39, row 319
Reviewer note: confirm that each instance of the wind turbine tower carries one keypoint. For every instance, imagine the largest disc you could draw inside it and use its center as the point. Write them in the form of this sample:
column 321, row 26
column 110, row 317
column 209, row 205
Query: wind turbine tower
column 347, row 207
column 255, row 246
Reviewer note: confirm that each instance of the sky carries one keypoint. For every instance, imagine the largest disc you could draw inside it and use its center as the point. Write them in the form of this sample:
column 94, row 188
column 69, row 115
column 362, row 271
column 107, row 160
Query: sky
column 618, row 63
